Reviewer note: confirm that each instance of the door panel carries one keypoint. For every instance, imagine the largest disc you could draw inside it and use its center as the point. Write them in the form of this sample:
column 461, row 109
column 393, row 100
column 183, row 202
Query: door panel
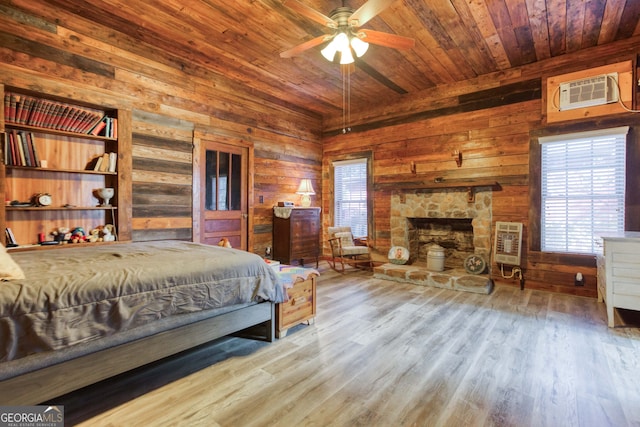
column 224, row 211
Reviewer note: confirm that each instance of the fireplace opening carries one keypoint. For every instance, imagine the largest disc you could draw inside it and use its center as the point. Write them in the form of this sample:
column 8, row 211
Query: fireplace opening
column 455, row 235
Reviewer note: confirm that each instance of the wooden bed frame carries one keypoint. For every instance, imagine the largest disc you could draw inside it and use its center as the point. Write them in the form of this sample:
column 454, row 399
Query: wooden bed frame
column 45, row 384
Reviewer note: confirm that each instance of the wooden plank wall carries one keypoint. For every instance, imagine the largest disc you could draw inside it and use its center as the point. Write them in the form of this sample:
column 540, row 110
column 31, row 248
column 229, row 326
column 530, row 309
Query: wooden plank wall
column 491, row 120
column 162, row 178
column 53, row 51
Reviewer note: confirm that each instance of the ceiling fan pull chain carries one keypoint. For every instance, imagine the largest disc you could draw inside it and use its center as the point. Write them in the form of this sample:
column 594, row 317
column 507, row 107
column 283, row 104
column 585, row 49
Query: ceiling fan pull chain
column 344, row 104
column 348, row 102
column 346, row 98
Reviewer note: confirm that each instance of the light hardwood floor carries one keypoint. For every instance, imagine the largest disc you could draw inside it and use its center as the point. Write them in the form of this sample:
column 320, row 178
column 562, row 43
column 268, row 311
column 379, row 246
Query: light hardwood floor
column 383, row 353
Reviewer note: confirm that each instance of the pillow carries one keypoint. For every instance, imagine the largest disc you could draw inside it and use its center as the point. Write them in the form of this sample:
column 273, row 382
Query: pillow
column 345, row 238
column 9, row 270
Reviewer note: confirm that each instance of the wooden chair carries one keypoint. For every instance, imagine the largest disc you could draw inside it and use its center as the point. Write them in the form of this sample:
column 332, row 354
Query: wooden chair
column 347, row 250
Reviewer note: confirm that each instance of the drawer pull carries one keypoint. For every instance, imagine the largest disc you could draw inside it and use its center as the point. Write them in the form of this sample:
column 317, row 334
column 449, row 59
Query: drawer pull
column 298, row 300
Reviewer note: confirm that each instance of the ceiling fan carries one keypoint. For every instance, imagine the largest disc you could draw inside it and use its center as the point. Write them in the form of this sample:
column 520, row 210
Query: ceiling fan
column 346, row 36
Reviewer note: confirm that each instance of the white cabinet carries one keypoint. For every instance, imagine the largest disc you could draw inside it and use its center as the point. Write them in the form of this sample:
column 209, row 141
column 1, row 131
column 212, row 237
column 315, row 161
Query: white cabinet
column 619, row 273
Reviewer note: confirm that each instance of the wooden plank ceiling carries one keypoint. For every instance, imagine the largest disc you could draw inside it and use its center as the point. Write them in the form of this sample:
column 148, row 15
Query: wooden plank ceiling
column 454, row 40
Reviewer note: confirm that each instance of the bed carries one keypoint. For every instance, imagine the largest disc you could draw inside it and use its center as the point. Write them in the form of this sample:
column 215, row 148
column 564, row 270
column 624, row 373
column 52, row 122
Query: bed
column 86, row 313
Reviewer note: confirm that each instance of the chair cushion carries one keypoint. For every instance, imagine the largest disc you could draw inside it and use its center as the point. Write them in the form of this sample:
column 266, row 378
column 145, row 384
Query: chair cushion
column 355, row 250
column 345, row 239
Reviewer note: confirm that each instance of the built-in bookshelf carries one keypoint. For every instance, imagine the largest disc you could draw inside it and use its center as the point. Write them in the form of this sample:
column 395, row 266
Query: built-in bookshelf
column 65, row 151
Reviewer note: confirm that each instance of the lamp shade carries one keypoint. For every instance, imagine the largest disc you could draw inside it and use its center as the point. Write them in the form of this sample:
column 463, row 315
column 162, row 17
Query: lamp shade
column 359, row 46
column 305, row 187
column 346, row 57
column 329, row 52
column 306, row 190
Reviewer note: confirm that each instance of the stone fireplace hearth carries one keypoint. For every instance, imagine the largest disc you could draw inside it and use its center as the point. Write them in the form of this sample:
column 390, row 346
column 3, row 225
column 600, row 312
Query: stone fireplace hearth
column 420, row 219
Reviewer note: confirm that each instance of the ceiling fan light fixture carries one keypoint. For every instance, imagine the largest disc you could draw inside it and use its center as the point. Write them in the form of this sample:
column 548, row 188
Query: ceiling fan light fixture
column 346, row 57
column 341, row 41
column 329, row 52
column 359, row 47
column 345, row 45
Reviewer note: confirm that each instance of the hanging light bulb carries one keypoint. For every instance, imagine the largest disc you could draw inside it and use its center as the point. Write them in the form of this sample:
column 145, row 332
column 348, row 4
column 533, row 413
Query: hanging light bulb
column 329, row 52
column 359, row 46
column 341, row 41
column 346, row 57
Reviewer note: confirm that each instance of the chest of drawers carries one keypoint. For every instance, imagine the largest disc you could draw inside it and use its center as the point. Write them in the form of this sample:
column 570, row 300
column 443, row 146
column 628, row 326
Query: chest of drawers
column 619, row 273
column 297, row 237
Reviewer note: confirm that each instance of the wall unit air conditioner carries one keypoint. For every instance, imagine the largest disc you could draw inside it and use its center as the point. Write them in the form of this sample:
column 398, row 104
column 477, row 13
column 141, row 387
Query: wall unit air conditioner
column 508, row 242
column 597, row 90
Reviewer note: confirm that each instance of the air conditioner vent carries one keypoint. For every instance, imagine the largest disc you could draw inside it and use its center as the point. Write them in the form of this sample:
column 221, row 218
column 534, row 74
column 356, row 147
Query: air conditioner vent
column 597, row 90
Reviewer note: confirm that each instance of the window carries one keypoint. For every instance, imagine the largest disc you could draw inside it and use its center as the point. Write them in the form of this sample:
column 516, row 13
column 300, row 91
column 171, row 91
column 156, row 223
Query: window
column 350, row 195
column 582, row 189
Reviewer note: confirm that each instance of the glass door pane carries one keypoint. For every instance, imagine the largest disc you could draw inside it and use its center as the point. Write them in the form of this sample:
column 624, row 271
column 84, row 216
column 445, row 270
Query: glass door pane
column 236, row 182
column 223, row 190
column 211, row 179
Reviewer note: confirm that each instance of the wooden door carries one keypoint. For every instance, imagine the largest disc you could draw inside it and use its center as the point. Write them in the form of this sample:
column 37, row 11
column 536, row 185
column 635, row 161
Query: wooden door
column 224, row 193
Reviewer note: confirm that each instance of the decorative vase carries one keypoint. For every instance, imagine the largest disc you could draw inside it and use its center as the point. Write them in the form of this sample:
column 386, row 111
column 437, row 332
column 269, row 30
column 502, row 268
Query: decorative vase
column 105, row 194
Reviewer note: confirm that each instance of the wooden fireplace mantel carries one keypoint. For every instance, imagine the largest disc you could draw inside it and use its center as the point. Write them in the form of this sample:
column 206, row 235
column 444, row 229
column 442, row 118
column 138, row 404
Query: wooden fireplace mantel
column 468, row 185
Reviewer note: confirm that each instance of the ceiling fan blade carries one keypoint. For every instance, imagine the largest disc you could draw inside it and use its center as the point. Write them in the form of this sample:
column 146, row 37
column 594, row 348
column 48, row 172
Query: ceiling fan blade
column 386, row 39
column 310, row 13
column 368, row 11
column 304, row 46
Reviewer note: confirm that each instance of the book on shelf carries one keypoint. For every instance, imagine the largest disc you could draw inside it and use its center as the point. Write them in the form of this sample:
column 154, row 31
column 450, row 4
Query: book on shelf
column 22, row 109
column 104, row 167
column 20, row 149
column 99, row 126
column 113, row 159
column 25, row 148
column 7, row 105
column 95, row 164
column 69, row 118
column 33, row 149
column 12, row 147
column 6, row 149
column 103, row 163
column 11, row 239
column 10, row 116
column 56, row 121
column 79, row 122
column 92, row 122
column 36, row 112
column 40, row 112
column 49, row 115
column 45, row 115
column 114, row 128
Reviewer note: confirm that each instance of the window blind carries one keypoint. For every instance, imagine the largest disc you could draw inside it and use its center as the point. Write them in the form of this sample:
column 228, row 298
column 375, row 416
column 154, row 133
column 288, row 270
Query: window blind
column 350, row 195
column 583, row 189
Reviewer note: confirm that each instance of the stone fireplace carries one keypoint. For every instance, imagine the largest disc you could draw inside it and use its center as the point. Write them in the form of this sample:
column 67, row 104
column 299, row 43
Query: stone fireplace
column 445, row 217
column 420, row 219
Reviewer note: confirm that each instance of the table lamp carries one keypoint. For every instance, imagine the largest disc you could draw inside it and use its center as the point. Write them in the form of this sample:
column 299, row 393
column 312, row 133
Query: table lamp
column 306, row 190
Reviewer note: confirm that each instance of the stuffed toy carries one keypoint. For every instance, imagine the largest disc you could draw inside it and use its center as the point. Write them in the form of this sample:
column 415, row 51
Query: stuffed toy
column 94, row 236
column 62, row 234
column 107, row 233
column 78, row 235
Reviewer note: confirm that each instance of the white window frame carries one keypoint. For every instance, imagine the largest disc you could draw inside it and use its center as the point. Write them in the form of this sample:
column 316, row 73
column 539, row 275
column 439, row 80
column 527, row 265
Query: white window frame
column 582, row 188
column 350, row 204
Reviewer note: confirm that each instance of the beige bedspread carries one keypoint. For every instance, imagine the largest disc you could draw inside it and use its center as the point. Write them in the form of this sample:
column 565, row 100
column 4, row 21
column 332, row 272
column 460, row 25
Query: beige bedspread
column 80, row 294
